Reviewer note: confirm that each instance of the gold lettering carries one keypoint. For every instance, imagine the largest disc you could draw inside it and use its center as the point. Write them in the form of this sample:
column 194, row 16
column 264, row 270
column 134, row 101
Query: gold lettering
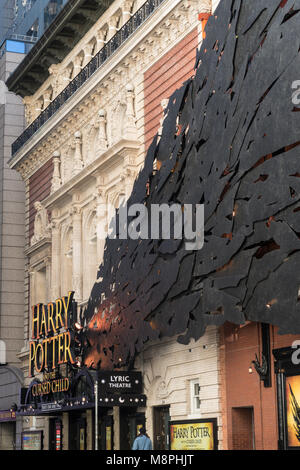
column 60, row 348
column 43, row 326
column 35, row 321
column 67, row 348
column 45, row 344
column 32, row 349
column 59, row 306
column 54, row 338
column 50, row 317
column 39, row 367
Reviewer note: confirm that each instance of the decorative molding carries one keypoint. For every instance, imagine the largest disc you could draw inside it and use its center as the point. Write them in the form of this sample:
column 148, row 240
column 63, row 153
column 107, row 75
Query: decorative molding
column 41, row 224
column 54, row 133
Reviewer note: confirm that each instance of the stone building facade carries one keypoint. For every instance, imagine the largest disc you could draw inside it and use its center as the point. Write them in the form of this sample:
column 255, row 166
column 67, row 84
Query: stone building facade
column 79, row 157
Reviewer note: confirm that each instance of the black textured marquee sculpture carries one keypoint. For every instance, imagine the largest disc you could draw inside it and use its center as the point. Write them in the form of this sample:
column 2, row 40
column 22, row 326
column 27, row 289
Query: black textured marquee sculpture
column 230, row 141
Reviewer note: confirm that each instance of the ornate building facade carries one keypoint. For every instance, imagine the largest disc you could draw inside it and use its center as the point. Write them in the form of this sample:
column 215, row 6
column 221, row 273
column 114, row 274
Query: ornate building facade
column 89, row 125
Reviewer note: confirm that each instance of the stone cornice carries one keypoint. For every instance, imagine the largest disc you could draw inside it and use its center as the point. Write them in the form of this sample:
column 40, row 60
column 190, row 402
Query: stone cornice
column 39, row 246
column 112, row 157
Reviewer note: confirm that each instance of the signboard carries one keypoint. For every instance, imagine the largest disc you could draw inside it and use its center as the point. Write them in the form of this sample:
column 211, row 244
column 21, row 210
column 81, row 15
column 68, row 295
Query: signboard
column 32, row 440
column 51, row 343
column 46, row 407
column 292, row 390
column 120, row 382
column 7, row 416
column 198, row 434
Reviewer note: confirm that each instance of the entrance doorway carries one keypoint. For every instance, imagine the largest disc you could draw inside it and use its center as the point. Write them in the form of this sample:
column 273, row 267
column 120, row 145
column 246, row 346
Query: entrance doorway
column 161, row 417
column 130, row 424
column 243, row 429
column 77, row 431
column 106, row 434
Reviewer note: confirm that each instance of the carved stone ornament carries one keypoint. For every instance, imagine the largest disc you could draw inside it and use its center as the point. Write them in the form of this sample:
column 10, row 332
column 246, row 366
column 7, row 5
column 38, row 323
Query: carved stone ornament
column 162, row 390
column 41, row 224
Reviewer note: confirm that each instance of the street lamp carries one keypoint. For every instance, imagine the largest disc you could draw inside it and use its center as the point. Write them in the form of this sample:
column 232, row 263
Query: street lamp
column 96, row 413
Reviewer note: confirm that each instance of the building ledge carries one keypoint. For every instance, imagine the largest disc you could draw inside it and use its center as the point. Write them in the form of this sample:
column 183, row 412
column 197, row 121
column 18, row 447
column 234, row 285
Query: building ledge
column 124, row 33
column 68, row 28
column 113, row 156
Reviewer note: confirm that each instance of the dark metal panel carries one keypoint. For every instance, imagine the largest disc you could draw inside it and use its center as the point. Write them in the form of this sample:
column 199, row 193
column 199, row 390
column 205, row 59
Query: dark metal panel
column 230, row 141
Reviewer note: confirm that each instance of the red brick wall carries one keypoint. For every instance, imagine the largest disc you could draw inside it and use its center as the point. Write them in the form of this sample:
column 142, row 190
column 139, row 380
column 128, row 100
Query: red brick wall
column 244, row 389
column 39, row 189
column 242, row 429
column 164, row 77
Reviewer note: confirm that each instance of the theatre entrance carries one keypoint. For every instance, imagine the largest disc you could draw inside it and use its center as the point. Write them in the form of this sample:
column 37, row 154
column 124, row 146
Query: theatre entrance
column 161, row 418
column 77, row 431
column 130, row 423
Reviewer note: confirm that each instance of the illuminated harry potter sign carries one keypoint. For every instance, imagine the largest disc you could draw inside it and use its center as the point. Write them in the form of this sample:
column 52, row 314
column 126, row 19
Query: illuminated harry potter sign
column 51, row 336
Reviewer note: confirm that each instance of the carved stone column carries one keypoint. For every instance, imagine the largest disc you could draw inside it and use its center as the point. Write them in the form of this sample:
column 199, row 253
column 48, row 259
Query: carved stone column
column 127, row 5
column 55, row 258
column 127, row 179
column 88, row 53
column 65, row 77
column 38, row 107
column 130, row 131
column 55, row 72
column 100, row 35
column 47, row 98
column 56, row 178
column 112, row 27
column 29, row 109
column 77, row 252
column 77, row 65
column 89, row 143
column 78, row 163
column 102, row 136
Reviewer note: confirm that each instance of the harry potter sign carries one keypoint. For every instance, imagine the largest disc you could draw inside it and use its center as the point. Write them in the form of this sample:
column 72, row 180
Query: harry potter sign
column 51, row 343
column 198, row 434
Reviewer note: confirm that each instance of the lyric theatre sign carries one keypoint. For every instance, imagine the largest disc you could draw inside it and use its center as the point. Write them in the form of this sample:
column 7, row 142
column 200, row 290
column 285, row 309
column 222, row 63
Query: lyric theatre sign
column 51, row 344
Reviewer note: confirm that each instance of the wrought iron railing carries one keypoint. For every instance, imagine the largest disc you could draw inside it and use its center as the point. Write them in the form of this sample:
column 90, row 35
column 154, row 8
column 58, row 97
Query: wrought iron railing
column 95, row 63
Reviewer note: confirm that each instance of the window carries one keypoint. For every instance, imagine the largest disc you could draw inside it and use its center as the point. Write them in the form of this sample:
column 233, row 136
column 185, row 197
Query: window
column 195, row 396
column 33, row 31
column 50, row 12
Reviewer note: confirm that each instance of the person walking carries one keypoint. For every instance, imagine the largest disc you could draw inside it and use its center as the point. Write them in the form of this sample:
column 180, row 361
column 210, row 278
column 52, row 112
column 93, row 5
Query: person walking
column 142, row 441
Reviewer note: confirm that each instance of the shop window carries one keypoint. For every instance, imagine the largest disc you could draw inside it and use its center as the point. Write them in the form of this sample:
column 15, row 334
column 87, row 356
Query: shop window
column 195, row 396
